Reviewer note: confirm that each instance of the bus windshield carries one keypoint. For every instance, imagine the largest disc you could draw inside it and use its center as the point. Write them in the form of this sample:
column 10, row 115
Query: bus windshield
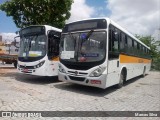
column 32, row 45
column 83, row 47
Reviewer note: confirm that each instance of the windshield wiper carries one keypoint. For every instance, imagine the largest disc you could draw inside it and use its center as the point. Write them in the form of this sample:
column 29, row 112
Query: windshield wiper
column 89, row 34
column 86, row 38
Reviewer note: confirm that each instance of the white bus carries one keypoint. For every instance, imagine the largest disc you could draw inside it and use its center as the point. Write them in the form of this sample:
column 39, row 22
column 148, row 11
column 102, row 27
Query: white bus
column 100, row 53
column 39, row 50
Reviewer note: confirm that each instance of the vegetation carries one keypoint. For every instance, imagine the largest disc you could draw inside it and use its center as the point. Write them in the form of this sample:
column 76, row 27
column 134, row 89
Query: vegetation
column 155, row 54
column 37, row 12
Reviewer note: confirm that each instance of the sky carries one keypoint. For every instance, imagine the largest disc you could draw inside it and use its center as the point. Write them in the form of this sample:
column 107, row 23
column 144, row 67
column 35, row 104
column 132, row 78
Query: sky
column 140, row 17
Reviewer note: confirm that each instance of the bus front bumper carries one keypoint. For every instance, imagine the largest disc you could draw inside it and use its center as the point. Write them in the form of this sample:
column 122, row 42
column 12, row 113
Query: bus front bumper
column 99, row 82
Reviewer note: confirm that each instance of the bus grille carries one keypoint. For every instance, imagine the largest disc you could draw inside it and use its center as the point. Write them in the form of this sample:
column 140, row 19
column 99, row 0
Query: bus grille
column 77, row 78
column 79, row 73
column 78, row 67
column 26, row 67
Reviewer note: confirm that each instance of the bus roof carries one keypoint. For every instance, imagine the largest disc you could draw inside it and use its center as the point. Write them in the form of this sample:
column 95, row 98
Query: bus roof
column 53, row 28
column 109, row 21
column 47, row 26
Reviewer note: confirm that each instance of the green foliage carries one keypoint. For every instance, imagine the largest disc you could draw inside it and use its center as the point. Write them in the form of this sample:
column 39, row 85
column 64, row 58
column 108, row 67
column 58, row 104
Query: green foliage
column 38, row 12
column 155, row 54
column 156, row 64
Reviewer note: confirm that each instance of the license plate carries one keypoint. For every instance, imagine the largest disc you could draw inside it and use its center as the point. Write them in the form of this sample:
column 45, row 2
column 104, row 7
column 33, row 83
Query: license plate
column 25, row 70
column 95, row 82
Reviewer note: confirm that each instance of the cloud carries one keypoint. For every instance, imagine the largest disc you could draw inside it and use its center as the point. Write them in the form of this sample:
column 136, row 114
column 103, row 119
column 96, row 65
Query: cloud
column 80, row 10
column 138, row 16
column 8, row 36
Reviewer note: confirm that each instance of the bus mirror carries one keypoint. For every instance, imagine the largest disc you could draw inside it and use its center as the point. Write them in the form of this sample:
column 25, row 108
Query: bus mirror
column 51, row 34
column 56, row 36
column 83, row 36
column 15, row 41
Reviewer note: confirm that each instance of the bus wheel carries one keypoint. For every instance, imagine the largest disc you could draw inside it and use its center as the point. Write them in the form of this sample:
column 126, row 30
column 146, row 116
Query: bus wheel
column 121, row 80
column 144, row 72
column 15, row 64
column 3, row 62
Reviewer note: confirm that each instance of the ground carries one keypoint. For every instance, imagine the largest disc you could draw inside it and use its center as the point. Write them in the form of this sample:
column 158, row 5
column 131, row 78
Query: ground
column 19, row 92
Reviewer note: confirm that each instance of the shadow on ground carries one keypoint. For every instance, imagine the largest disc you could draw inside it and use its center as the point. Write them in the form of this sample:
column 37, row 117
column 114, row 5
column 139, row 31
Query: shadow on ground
column 80, row 89
column 133, row 80
column 31, row 79
column 92, row 91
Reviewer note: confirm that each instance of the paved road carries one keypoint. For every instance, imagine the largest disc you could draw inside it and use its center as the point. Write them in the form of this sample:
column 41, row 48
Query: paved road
column 20, row 92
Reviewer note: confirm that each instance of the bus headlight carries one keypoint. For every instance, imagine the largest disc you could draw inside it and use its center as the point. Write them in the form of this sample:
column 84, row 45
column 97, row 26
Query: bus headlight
column 61, row 69
column 97, row 72
column 39, row 64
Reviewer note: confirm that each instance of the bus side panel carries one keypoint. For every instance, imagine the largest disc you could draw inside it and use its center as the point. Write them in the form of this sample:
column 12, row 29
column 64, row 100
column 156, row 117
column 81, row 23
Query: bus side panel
column 52, row 69
column 133, row 69
column 113, row 73
column 135, row 65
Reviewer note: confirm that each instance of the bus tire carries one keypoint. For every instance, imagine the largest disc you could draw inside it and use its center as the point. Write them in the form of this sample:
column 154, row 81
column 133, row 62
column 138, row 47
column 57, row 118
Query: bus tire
column 121, row 80
column 3, row 62
column 144, row 71
column 15, row 64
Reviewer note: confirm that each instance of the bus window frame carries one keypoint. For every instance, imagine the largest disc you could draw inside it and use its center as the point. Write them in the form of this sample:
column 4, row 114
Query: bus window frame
column 131, row 50
column 112, row 54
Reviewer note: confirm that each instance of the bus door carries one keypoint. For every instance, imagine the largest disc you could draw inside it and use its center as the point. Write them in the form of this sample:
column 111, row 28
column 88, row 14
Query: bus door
column 53, row 50
column 113, row 56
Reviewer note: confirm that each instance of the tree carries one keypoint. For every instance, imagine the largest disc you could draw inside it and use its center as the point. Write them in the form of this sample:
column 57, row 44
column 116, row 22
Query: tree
column 155, row 54
column 38, row 12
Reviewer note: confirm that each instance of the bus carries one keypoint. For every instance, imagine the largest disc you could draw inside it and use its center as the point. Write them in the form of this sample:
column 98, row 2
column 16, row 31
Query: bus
column 39, row 50
column 100, row 53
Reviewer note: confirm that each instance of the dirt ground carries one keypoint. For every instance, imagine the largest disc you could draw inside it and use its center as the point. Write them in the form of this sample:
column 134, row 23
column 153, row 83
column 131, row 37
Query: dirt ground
column 19, row 92
column 7, row 70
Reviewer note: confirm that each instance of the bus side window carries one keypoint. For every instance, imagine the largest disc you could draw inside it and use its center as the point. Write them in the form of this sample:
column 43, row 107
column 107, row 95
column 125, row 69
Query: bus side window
column 122, row 42
column 53, row 44
column 135, row 48
column 132, row 48
column 143, row 51
column 140, row 50
column 129, row 41
column 113, row 43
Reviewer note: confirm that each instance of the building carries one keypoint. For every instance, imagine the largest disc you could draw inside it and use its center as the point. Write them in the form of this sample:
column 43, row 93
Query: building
column 2, row 46
column 8, row 47
column 0, row 38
